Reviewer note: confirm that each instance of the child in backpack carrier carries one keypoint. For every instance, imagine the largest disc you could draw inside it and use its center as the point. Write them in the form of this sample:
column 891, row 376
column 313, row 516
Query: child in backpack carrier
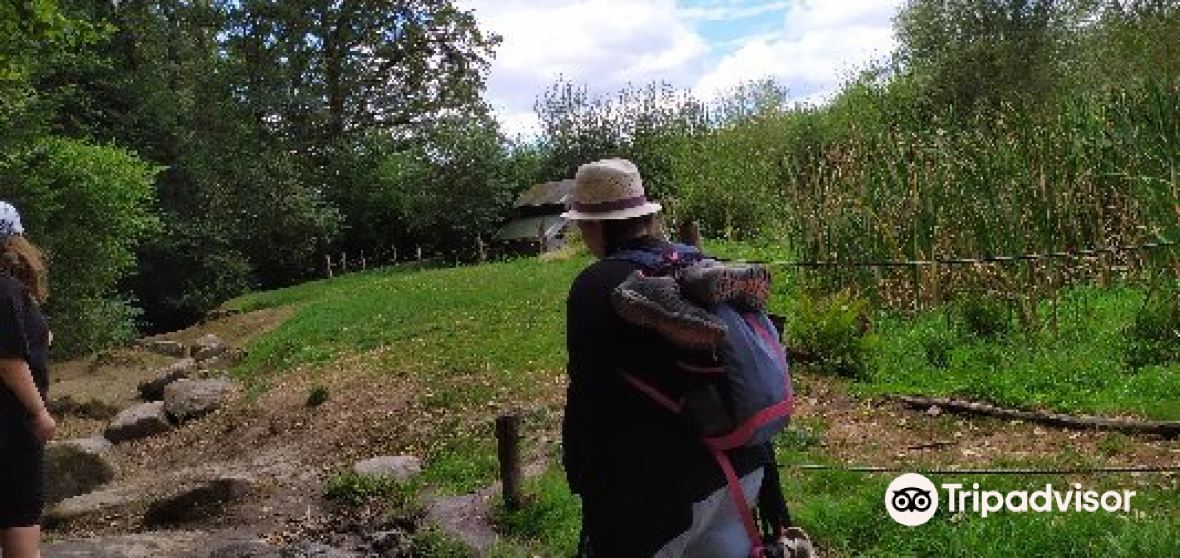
column 676, row 305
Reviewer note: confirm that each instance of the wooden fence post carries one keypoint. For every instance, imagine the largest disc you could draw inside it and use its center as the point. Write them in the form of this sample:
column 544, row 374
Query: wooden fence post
column 364, row 264
column 419, row 254
column 343, row 263
column 508, row 451
column 328, row 264
column 480, row 249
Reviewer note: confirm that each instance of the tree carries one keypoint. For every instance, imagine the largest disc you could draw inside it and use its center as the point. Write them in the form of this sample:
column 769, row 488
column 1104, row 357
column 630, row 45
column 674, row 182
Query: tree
column 89, row 207
column 973, row 54
column 451, row 186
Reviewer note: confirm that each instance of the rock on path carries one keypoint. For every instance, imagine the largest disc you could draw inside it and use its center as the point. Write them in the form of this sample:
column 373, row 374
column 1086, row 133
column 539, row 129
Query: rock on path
column 190, row 399
column 76, row 467
column 153, row 389
column 140, row 421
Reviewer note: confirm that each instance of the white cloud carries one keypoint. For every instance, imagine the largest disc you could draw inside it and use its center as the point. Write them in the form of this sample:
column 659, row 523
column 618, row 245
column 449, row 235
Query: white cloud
column 821, row 43
column 606, row 44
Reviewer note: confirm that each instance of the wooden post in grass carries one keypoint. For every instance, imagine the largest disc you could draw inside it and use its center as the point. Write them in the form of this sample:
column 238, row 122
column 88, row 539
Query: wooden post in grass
column 690, row 233
column 508, row 450
column 480, row 249
column 328, row 264
column 364, row 264
column 343, row 263
column 419, row 254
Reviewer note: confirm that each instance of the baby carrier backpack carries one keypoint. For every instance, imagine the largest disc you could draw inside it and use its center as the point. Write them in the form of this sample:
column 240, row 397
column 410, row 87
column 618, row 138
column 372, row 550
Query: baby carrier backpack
column 756, row 401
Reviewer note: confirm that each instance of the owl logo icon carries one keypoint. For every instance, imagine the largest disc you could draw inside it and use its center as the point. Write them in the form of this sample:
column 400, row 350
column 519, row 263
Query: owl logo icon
column 911, row 499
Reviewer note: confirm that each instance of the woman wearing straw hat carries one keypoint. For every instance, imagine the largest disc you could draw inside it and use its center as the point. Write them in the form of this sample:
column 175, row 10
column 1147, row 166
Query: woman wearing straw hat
column 648, row 485
column 25, row 423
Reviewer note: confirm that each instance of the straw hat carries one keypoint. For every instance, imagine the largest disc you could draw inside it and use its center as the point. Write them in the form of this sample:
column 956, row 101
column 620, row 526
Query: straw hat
column 609, row 189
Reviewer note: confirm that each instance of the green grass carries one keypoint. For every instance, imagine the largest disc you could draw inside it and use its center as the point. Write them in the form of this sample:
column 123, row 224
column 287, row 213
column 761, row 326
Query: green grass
column 844, row 513
column 1082, row 368
column 498, row 322
column 550, row 520
column 475, row 335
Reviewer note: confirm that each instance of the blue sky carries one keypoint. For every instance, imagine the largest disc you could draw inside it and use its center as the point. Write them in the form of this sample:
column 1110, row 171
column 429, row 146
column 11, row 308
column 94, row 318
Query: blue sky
column 706, row 46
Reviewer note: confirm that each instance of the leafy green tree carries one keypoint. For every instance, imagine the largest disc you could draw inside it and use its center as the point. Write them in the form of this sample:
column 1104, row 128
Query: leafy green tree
column 973, row 54
column 451, row 186
column 89, row 207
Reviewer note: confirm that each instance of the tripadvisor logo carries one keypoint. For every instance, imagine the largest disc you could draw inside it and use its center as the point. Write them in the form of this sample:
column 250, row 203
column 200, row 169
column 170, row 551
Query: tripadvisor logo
column 912, row 499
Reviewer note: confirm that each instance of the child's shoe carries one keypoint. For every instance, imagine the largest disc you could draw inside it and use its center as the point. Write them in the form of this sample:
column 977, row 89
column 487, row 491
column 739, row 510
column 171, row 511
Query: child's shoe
column 710, row 283
column 656, row 302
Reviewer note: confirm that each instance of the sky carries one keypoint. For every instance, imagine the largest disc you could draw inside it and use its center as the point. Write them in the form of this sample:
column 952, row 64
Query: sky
column 706, row 46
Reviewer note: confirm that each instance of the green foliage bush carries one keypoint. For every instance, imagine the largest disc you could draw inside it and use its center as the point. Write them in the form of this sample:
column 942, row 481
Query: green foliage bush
column 353, row 489
column 433, row 543
column 937, row 346
column 447, row 189
column 88, row 207
column 984, row 315
column 833, row 329
column 1154, row 336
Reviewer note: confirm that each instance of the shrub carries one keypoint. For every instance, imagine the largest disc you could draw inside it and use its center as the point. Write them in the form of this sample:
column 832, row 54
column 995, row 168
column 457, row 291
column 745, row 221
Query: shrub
column 985, row 315
column 353, row 489
column 87, row 325
column 833, row 330
column 1154, row 336
column 937, row 345
column 88, row 207
column 432, row 543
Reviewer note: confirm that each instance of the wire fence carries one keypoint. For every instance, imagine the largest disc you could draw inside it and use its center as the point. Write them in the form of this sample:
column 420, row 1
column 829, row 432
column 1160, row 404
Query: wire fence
column 1076, row 254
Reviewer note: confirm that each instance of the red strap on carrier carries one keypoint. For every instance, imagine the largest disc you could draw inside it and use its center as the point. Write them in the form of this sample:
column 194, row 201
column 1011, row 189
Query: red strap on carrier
column 739, row 500
column 719, row 444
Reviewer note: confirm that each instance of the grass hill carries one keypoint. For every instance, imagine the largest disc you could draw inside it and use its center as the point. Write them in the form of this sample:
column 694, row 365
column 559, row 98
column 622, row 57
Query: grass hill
column 461, row 345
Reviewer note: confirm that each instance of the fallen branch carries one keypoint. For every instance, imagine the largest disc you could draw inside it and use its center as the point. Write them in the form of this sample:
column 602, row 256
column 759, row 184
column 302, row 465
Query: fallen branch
column 1168, row 429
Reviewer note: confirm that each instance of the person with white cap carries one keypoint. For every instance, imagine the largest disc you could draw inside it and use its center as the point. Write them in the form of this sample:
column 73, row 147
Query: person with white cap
column 648, row 485
column 25, row 422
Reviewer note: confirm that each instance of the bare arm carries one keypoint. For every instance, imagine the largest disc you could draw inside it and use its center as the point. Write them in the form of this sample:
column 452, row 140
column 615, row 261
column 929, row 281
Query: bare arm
column 15, row 374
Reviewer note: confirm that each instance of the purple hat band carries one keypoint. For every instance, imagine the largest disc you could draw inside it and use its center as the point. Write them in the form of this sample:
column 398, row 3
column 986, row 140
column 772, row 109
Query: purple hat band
column 616, row 205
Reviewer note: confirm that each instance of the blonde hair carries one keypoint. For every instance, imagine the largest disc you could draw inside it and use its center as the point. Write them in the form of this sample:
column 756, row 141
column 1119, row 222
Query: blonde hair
column 23, row 261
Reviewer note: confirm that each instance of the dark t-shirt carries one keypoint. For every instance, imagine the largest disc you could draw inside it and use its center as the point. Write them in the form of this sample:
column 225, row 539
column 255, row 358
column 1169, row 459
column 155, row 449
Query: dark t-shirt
column 24, row 335
column 619, row 447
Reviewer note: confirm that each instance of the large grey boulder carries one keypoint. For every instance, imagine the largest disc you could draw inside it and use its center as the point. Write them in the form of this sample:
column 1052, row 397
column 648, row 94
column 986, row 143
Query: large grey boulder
column 398, row 468
column 104, row 503
column 190, row 399
column 140, row 421
column 208, row 346
column 196, row 501
column 74, row 467
column 153, row 389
